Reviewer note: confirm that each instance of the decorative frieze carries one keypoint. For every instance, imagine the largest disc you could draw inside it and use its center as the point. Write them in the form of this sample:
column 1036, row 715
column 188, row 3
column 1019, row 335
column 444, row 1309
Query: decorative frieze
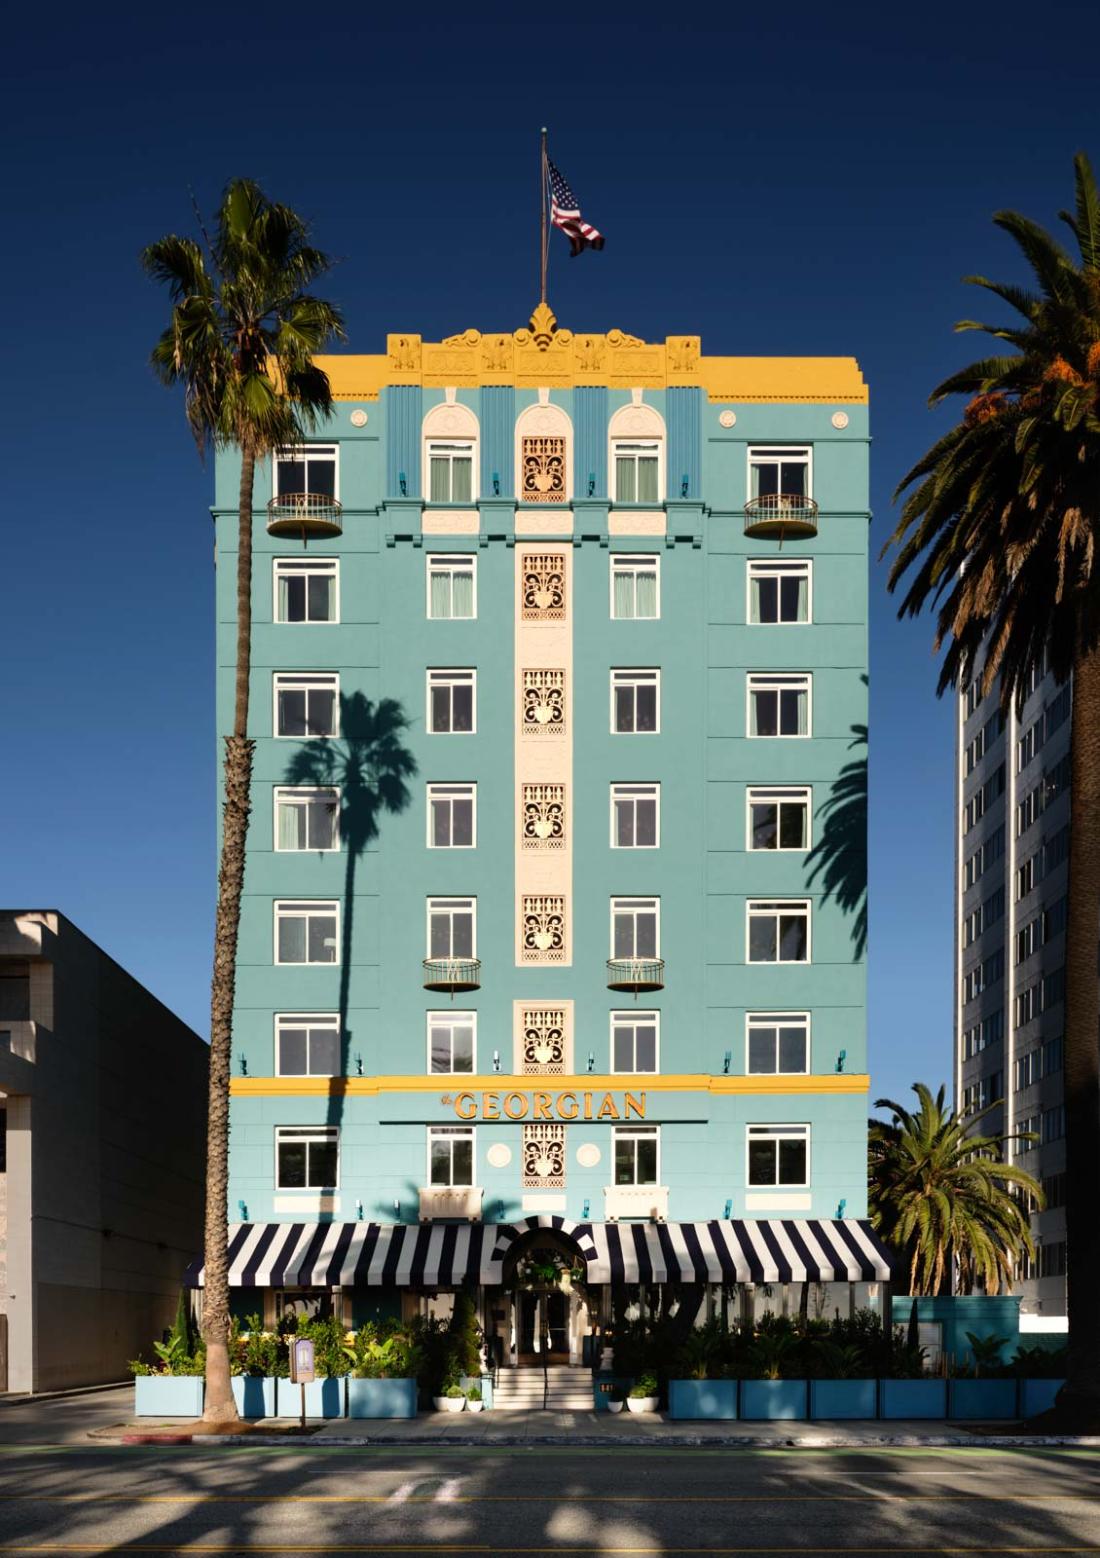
column 544, row 1040
column 543, row 816
column 542, row 469
column 544, row 1157
column 543, row 587
column 543, row 928
column 543, row 702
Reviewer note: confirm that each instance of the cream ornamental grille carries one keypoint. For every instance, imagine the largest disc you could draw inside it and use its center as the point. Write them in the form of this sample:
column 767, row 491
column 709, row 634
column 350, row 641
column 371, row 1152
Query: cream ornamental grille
column 543, row 598
column 544, row 1157
column 543, row 702
column 543, row 816
column 543, row 928
column 543, row 470
column 544, row 1040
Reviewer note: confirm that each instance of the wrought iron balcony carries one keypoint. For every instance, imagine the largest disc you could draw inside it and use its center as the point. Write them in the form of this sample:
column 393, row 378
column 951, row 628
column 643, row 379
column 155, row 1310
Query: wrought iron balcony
column 304, row 514
column 452, row 974
column 781, row 514
column 635, row 974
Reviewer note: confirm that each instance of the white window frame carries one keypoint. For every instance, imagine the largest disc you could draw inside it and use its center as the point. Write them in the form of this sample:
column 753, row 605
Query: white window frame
column 450, row 1019
column 438, row 446
column 449, row 901
column 321, row 1133
column 797, row 1131
column 328, row 1020
column 451, row 676
column 328, row 681
column 634, row 1133
column 452, row 1133
column 623, row 903
column 779, row 568
column 629, row 677
column 624, row 446
column 292, row 567
column 282, row 908
column 441, row 789
column 304, row 790
column 634, row 563
column 777, row 1020
column 770, row 454
column 301, row 454
column 777, row 907
column 627, row 790
column 764, row 794
column 625, row 1018
column 779, row 681
column 446, row 562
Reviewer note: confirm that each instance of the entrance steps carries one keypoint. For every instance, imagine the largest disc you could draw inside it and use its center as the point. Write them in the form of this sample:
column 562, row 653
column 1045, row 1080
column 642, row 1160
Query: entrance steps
column 521, row 1390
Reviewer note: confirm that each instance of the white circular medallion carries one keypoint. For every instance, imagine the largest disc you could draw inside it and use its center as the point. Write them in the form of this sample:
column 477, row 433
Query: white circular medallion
column 727, row 418
column 840, row 419
column 358, row 418
column 588, row 1154
column 499, row 1154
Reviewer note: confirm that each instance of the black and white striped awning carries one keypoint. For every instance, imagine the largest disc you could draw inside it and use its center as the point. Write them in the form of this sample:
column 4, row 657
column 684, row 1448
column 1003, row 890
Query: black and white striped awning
column 434, row 1255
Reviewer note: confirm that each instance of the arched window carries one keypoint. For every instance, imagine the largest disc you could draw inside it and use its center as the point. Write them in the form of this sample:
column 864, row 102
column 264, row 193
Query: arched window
column 636, row 455
column 450, row 454
column 544, row 455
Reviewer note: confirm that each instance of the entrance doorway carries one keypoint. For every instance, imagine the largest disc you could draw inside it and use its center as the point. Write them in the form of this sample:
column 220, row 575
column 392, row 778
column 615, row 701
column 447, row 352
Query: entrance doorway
column 544, row 1325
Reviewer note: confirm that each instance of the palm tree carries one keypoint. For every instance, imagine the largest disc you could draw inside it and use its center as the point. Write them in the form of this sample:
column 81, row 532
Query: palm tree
column 241, row 339
column 999, row 533
column 941, row 1193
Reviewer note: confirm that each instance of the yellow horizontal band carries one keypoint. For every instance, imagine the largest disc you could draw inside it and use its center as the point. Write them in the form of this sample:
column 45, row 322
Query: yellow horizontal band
column 497, row 1082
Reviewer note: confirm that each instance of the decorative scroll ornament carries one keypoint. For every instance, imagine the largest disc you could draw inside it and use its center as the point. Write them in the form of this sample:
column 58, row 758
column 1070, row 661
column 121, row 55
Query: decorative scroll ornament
column 543, row 702
column 542, row 462
column 544, row 816
column 544, row 586
column 544, row 1157
column 544, row 1041
column 543, row 929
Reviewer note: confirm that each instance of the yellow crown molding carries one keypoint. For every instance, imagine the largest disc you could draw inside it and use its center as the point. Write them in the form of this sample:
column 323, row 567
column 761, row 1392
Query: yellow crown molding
column 687, row 1082
column 543, row 355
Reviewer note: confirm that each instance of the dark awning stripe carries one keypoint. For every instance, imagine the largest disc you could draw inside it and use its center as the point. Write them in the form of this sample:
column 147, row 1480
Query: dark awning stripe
column 691, row 1233
column 335, row 1265
column 362, row 1264
column 849, row 1238
column 257, row 1252
column 641, row 1252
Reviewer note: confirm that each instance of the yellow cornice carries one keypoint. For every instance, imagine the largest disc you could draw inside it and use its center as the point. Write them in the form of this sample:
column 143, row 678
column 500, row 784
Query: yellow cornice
column 686, row 1082
column 544, row 356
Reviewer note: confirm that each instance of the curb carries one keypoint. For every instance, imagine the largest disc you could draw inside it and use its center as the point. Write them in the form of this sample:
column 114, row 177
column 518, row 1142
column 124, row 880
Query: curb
column 684, row 1441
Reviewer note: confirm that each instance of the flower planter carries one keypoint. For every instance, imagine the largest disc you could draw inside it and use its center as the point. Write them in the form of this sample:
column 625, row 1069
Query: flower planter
column 981, row 1398
column 912, row 1398
column 614, row 1407
column 448, row 1403
column 641, row 1404
column 702, row 1398
column 168, row 1395
column 475, row 1406
column 486, row 1384
column 842, row 1398
column 257, row 1395
column 1037, row 1395
column 382, row 1397
column 773, row 1399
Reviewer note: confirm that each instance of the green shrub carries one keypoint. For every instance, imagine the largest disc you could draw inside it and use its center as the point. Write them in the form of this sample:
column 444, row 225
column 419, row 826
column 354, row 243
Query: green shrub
column 645, row 1387
column 473, row 1393
column 454, row 1392
column 329, row 1345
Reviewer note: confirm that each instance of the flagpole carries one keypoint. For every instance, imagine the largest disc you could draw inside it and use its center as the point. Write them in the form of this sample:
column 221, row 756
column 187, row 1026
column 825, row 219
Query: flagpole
column 542, row 217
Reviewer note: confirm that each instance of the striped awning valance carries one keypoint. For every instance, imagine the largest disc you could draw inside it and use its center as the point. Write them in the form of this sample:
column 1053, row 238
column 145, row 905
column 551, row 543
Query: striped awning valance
column 430, row 1255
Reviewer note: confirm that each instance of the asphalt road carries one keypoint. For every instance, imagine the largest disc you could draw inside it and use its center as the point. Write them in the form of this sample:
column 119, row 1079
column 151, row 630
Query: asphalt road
column 224, row 1500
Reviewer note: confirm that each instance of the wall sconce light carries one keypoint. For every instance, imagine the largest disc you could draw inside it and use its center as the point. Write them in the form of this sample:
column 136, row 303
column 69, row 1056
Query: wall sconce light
column 500, row 1211
column 403, row 484
column 496, row 1060
column 591, row 483
column 587, row 1207
column 727, row 1061
column 591, row 1061
column 396, row 1207
column 358, row 1065
column 359, row 1210
column 841, row 1208
column 729, row 1209
column 840, row 1059
column 244, row 1064
column 685, row 485
column 496, row 484
column 243, row 1210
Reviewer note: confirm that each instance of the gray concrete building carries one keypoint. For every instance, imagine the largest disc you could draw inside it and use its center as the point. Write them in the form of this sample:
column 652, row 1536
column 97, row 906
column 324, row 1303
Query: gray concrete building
column 102, row 1146
column 1012, row 851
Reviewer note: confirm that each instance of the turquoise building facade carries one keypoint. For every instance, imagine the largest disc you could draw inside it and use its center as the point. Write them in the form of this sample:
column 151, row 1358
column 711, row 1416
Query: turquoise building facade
column 555, row 903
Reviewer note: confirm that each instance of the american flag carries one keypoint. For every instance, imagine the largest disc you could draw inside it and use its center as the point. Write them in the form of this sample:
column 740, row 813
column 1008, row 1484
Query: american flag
column 565, row 212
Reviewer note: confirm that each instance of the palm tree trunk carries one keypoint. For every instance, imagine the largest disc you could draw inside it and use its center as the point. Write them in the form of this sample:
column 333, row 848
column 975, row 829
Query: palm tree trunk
column 219, row 1405
column 1081, row 1393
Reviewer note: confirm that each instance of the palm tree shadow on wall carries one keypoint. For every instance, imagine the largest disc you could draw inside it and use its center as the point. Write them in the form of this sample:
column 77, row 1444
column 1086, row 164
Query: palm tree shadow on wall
column 839, row 857
column 370, row 765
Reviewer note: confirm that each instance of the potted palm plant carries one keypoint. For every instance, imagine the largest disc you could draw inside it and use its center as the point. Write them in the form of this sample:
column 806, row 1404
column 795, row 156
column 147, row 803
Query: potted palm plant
column 257, row 1359
column 985, row 1391
column 701, row 1386
column 385, row 1362
column 173, row 1386
column 778, row 1387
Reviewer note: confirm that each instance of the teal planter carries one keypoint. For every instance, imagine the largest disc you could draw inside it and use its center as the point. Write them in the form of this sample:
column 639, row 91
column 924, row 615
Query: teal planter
column 324, row 1398
column 913, row 1398
column 255, row 1394
column 773, row 1399
column 486, row 1383
column 381, row 1398
column 702, row 1398
column 981, row 1398
column 843, row 1398
column 1037, row 1395
column 168, row 1395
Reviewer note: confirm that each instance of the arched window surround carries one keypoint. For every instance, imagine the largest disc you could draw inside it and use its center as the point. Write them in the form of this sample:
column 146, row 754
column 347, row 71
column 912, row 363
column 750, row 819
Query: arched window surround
column 447, row 423
column 640, row 423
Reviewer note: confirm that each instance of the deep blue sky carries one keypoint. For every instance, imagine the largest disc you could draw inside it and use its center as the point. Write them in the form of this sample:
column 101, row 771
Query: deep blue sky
column 781, row 179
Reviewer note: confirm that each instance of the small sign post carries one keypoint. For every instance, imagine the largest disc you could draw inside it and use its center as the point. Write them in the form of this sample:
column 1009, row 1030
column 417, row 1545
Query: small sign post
column 302, row 1368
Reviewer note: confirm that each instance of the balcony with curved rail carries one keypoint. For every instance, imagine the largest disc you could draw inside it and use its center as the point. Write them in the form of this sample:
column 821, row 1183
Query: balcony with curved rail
column 781, row 514
column 635, row 976
column 305, row 514
column 452, row 975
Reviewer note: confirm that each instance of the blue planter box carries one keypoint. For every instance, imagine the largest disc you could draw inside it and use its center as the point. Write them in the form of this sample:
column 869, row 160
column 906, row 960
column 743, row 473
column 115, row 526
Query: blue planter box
column 702, row 1398
column 486, row 1383
column 255, row 1394
column 982, row 1398
column 843, row 1398
column 1037, row 1395
column 773, row 1398
column 168, row 1395
column 324, row 1398
column 381, row 1398
column 912, row 1398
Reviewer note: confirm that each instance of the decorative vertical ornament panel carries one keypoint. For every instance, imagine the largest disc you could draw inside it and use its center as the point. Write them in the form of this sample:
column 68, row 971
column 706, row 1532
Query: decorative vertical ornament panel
column 544, row 816
column 544, row 1157
column 543, row 927
column 542, row 469
column 544, row 1040
column 543, row 702
column 544, row 586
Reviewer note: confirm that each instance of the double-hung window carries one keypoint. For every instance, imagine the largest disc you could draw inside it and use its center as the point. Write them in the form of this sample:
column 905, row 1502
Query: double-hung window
column 452, row 1042
column 779, row 704
column 634, row 1041
column 452, row 814
column 307, row 1044
column 779, row 932
column 779, row 817
column 635, row 586
column 452, row 702
column 778, row 1155
column 452, row 927
column 307, row 932
column 307, row 818
column 637, row 1154
column 450, row 471
column 636, row 702
column 451, row 1155
column 637, row 466
column 635, row 927
column 307, row 589
column 780, row 472
column 452, row 585
column 779, row 591
column 307, row 468
column 635, row 816
column 306, row 703
column 777, row 1043
column 307, row 1157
